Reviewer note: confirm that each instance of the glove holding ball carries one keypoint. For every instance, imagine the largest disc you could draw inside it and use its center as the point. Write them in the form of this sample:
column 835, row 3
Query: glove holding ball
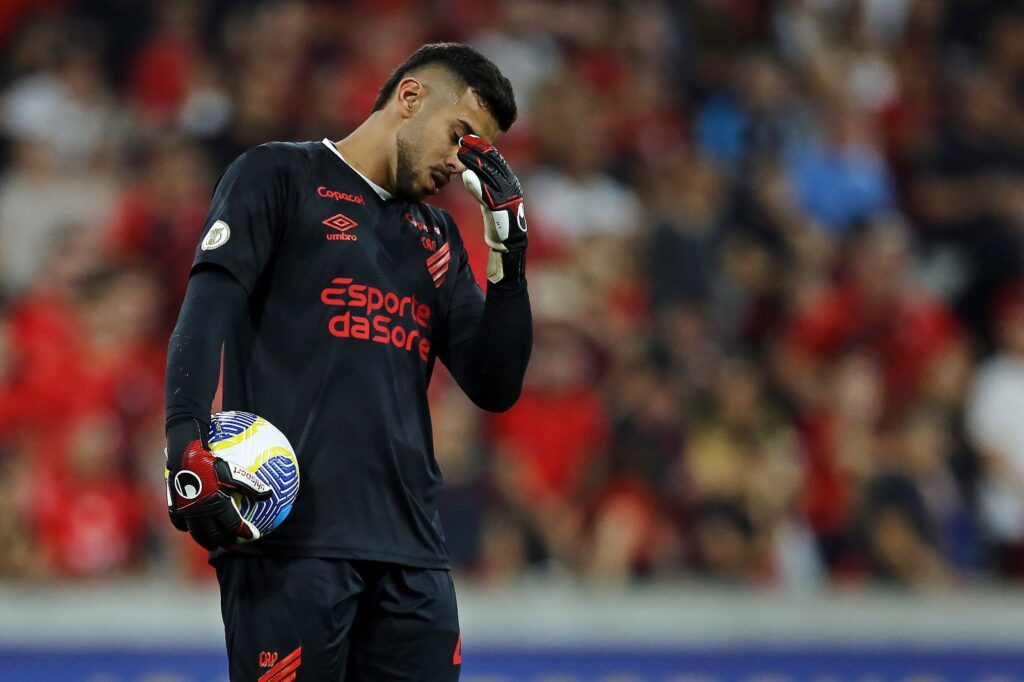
column 199, row 486
column 492, row 182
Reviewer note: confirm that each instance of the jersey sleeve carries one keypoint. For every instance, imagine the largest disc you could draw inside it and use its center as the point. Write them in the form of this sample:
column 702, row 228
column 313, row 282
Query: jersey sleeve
column 487, row 340
column 467, row 301
column 248, row 213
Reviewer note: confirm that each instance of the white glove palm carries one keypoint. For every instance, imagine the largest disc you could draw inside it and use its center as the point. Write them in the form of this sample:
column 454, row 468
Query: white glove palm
column 492, row 183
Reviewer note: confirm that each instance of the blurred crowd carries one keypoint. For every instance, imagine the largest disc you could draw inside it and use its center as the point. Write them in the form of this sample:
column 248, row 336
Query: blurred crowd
column 776, row 269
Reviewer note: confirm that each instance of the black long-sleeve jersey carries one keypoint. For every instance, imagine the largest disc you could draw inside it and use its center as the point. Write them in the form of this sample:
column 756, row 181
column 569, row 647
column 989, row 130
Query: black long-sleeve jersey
column 351, row 297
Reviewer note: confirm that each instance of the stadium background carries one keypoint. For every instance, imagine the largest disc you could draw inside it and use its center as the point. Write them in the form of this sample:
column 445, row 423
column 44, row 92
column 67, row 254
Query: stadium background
column 773, row 428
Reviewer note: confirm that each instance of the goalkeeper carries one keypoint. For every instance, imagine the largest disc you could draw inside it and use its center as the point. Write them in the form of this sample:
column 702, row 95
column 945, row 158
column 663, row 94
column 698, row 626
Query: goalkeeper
column 332, row 289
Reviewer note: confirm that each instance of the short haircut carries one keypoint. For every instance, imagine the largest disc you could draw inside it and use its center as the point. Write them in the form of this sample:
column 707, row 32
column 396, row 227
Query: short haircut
column 469, row 66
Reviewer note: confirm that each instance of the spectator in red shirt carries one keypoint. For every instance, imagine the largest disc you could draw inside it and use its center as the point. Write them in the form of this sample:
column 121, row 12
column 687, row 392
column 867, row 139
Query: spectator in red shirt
column 158, row 218
column 879, row 308
column 85, row 510
column 548, row 443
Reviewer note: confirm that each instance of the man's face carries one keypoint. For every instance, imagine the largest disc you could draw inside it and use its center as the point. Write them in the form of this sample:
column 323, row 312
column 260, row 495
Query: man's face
column 428, row 143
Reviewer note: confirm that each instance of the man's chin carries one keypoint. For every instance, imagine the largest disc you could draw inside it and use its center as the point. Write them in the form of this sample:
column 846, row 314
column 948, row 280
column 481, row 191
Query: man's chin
column 413, row 195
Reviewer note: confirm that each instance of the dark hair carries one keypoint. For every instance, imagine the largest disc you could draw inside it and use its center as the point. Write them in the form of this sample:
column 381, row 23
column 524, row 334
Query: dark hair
column 471, row 67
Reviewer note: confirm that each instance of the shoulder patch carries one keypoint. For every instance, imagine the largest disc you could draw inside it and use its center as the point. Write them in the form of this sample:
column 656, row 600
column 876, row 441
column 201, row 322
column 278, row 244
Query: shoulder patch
column 218, row 236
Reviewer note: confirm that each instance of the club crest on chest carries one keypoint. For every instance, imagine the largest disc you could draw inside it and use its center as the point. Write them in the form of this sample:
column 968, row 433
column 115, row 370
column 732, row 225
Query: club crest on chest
column 430, row 238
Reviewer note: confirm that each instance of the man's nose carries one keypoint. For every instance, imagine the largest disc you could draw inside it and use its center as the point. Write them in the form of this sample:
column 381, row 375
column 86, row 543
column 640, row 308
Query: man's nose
column 454, row 164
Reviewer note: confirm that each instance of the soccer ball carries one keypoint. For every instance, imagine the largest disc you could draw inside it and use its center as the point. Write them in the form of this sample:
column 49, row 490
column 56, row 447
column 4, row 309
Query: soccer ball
column 256, row 445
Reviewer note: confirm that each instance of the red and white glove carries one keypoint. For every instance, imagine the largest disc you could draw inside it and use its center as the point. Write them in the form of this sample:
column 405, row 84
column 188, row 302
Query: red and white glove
column 492, row 182
column 199, row 487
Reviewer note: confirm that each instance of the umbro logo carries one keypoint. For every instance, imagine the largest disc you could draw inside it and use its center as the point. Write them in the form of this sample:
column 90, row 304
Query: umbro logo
column 342, row 223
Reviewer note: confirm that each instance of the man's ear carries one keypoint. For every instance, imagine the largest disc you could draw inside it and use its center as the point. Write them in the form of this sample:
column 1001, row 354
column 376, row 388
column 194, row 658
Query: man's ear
column 409, row 96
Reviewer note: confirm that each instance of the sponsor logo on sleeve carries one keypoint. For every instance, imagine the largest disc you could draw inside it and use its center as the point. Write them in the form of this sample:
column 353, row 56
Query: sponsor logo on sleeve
column 218, row 236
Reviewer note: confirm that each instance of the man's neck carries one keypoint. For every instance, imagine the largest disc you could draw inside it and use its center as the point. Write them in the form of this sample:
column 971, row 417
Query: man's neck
column 362, row 149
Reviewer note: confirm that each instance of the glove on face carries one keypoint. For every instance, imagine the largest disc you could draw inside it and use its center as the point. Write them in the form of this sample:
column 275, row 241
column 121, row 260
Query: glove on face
column 495, row 186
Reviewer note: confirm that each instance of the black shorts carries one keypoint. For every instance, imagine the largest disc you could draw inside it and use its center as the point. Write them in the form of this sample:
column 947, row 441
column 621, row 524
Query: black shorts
column 334, row 620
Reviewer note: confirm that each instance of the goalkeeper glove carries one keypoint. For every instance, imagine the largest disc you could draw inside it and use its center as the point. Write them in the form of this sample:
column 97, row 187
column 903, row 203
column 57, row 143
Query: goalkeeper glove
column 491, row 181
column 199, row 486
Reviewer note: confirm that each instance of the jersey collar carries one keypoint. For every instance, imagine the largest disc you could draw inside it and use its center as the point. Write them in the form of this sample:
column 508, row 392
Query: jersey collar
column 381, row 192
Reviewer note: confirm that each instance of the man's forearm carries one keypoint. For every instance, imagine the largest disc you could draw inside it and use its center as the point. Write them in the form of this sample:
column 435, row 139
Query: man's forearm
column 213, row 301
column 491, row 364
